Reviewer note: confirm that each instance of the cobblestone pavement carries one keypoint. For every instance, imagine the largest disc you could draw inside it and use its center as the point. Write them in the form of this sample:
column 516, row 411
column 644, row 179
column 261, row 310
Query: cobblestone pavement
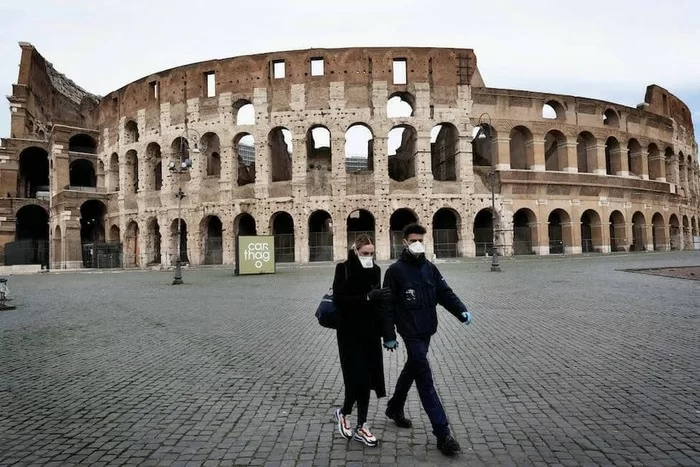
column 567, row 362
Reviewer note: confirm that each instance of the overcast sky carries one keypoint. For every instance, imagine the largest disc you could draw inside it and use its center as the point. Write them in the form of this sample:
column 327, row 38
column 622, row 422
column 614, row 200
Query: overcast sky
column 601, row 49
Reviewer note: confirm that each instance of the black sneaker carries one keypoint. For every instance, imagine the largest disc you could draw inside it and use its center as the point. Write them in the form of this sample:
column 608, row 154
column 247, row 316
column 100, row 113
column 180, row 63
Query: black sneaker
column 399, row 418
column 448, row 445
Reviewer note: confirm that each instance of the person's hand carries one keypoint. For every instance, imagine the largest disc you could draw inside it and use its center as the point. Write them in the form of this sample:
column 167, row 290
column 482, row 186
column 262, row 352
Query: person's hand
column 374, row 294
column 466, row 317
column 391, row 345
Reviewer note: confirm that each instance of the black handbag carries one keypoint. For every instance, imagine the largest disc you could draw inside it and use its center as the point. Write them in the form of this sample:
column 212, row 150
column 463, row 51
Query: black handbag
column 327, row 314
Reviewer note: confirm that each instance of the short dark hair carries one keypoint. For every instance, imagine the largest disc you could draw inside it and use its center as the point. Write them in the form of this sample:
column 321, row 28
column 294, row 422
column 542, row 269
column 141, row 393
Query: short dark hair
column 414, row 228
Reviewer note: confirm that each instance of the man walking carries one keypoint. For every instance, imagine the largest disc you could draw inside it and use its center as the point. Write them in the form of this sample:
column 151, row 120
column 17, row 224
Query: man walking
column 417, row 287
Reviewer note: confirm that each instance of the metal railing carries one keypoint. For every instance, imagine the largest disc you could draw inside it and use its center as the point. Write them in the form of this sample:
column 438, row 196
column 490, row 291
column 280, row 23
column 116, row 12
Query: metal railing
column 284, row 248
column 320, row 246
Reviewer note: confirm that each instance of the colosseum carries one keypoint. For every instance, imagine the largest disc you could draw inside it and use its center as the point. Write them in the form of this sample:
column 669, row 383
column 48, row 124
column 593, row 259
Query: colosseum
column 316, row 146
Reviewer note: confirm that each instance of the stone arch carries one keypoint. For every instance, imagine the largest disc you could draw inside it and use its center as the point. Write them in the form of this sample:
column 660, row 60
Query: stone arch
column 618, row 235
column 591, row 232
column 132, row 247
column 525, row 232
column 586, row 152
column 522, row 148
column 560, row 232
column 318, row 148
column 178, row 229
column 658, row 232
column 400, row 105
column 211, row 231
column 180, row 150
column 244, row 224
column 483, row 232
column 611, row 118
column 31, row 245
column 446, row 227
column 634, row 158
column 115, row 235
column 282, row 227
column 245, row 112
column 92, row 220
column 402, row 150
column 613, row 161
column 360, row 221
column 131, row 132
column 674, row 233
column 153, row 242
column 398, row 220
column 154, row 167
column 444, row 152
column 211, row 147
column 114, row 172
column 484, row 149
column 33, row 173
column 131, row 174
column 657, row 167
column 279, row 141
column 244, row 147
column 82, row 143
column 320, row 236
column 639, row 233
column 359, row 148
column 553, row 110
column 82, row 174
column 555, row 150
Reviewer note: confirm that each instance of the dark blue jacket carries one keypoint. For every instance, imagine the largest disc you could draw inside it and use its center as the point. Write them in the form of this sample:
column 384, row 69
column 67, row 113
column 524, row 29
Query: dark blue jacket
column 417, row 288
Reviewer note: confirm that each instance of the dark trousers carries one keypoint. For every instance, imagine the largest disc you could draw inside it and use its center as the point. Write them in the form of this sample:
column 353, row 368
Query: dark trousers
column 417, row 368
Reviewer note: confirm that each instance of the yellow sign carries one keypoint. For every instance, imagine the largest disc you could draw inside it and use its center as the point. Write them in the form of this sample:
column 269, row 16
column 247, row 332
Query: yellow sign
column 256, row 255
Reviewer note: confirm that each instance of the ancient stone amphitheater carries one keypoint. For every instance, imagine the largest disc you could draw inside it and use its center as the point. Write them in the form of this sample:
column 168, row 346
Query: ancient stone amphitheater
column 317, row 146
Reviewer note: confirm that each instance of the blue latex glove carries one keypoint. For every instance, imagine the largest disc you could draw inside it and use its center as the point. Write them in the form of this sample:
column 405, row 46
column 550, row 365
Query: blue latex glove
column 391, row 345
column 466, row 317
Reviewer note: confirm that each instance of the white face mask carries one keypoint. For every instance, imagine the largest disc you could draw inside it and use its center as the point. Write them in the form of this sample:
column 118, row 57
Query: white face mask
column 416, row 248
column 366, row 261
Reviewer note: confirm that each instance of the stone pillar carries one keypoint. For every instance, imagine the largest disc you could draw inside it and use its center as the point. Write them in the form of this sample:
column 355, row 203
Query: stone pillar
column 657, row 164
column 382, row 235
column 601, row 231
column 501, row 153
column 466, row 234
column 423, row 164
column 619, row 162
column 599, row 162
column 301, row 241
column 570, row 151
column 229, row 166
column 538, row 164
column 381, row 167
column 262, row 168
column 338, row 169
column 340, row 238
column 644, row 156
column 465, row 176
column 571, row 237
column 542, row 243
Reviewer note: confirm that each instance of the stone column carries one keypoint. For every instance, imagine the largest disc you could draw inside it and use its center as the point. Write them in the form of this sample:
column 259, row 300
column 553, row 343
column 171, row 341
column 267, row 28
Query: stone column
column 229, row 166
column 658, row 163
column 381, row 167
column 465, row 177
column 382, row 235
column 644, row 156
column 570, row 151
column 423, row 164
column 338, row 169
column 599, row 162
column 538, row 164
column 262, row 168
column 502, row 153
column 542, row 245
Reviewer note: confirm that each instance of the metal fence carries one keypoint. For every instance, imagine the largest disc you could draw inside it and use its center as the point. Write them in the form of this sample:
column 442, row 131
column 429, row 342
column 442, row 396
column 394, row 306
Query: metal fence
column 214, row 250
column 284, row 248
column 445, row 243
column 321, row 246
column 26, row 252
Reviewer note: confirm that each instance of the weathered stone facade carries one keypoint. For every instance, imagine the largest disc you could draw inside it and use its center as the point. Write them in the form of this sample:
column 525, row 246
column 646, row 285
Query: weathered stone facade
column 571, row 174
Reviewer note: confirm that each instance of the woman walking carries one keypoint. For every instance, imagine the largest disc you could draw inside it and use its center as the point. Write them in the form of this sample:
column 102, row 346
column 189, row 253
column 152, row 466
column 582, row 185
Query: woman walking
column 364, row 320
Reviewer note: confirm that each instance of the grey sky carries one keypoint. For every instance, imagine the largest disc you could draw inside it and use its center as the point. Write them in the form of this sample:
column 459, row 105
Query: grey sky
column 602, row 49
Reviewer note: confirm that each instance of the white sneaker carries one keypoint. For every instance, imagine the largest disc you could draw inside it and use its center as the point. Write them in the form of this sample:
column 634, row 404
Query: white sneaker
column 363, row 435
column 343, row 424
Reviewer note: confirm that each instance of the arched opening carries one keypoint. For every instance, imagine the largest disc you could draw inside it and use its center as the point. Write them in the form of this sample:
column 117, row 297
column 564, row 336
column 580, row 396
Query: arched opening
column 522, row 150
column 483, row 232
column 658, row 232
column 656, row 163
column 92, row 230
column 524, row 232
column 131, row 174
column 320, row 236
column 610, row 118
column 402, row 152
column 613, row 157
column 586, row 152
column 155, row 167
column 179, row 240
column 33, row 179
column 244, row 145
column 244, row 225
column 180, row 149
column 359, row 148
column 400, row 105
column 553, row 110
column 591, row 232
column 559, row 231
column 280, row 143
column 444, row 152
column 31, row 245
column 483, row 145
column 133, row 251
column 82, row 143
column 153, row 242
column 555, row 151
column 212, row 233
column 634, row 158
column 82, row 174
column 446, row 233
column 131, row 132
column 618, row 237
column 675, row 232
column 114, row 172
column 360, row 222
column 211, row 148
column 399, row 219
column 639, row 235
column 318, row 148
column 245, row 112
column 115, row 234
column 283, row 231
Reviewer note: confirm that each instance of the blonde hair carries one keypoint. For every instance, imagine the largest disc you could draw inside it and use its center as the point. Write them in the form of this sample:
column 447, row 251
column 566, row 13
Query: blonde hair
column 362, row 240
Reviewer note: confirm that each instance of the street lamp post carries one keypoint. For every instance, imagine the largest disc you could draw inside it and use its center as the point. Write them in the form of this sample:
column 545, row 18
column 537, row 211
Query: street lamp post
column 485, row 132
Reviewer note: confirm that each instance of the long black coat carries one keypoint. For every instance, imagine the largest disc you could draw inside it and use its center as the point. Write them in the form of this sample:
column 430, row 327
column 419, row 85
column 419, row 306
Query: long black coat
column 361, row 327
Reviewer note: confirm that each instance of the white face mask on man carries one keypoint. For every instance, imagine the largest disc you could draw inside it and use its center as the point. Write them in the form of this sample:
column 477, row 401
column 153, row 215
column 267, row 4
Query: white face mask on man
column 416, row 248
